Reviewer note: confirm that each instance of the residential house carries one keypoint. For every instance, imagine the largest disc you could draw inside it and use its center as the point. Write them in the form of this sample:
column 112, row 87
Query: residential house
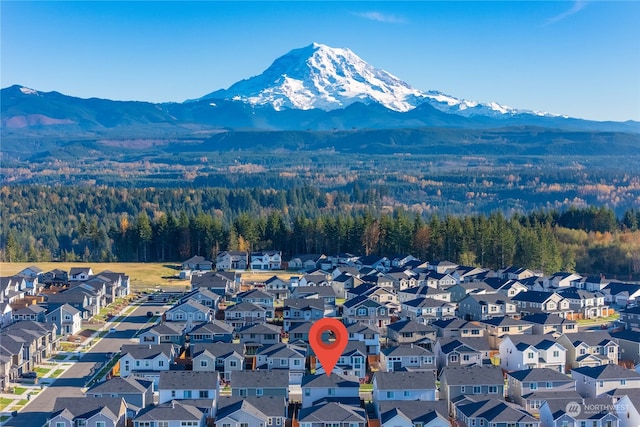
column 352, row 361
column 457, row 381
column 402, row 280
column 80, row 411
column 300, row 310
column 189, row 311
column 589, row 348
column 287, row 357
column 197, row 262
column 518, row 352
column 31, row 312
column 404, row 386
column 585, row 304
column 343, row 283
column 260, row 383
column 136, row 392
column 55, row 277
column 461, row 290
column 259, row 298
column 266, row 260
column 457, row 328
column 23, row 346
column 211, row 332
column 533, row 302
column 299, row 334
column 442, row 267
column 147, row 360
column 508, row 287
column 424, row 291
column 549, row 323
column 173, row 414
column 621, row 295
column 485, row 306
column 437, row 280
column 260, row 333
column 596, row 380
column 33, row 277
column 403, row 413
column 561, row 279
column 578, row 413
column 332, row 387
column 525, row 387
column 375, row 262
column 232, row 260
column 459, row 351
column 251, row 411
column 492, row 412
column 497, row 327
column 317, row 278
column 305, row 262
column 203, row 296
column 628, row 345
column 277, row 287
column 630, row 318
column 79, row 274
column 68, row 319
column 406, row 358
column 219, row 356
column 196, row 385
column 217, row 282
column 517, row 273
column 409, row 331
column 628, row 409
column 363, row 333
column 400, row 260
column 592, row 283
column 362, row 309
column 78, row 300
column 426, row 310
column 325, row 293
column 336, row 414
column 244, row 314
column 164, row 333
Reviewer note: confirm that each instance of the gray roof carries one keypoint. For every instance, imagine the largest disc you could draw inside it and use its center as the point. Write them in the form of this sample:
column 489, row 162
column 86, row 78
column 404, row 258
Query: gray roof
column 406, row 350
column 118, row 385
column 607, row 372
column 215, row 327
column 217, row 349
column 304, row 303
column 477, row 343
column 332, row 380
column 539, row 374
column 591, row 338
column 260, row 379
column 281, row 350
column 260, row 328
column 322, row 291
column 260, row 407
column 171, row 411
column 478, row 375
column 332, row 412
column 417, row 411
column 410, row 325
column 360, row 328
column 150, row 351
column 495, row 410
column 171, row 380
column 83, row 407
column 505, row 321
column 405, row 380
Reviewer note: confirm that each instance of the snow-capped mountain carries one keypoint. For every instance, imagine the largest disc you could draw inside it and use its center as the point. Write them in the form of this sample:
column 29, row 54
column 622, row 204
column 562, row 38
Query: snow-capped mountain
column 326, row 78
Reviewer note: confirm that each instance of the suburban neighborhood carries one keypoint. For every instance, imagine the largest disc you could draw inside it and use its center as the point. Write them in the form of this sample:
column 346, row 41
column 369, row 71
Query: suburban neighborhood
column 431, row 344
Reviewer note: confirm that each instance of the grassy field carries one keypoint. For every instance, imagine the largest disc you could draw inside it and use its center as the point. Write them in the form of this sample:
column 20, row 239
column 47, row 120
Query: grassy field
column 142, row 275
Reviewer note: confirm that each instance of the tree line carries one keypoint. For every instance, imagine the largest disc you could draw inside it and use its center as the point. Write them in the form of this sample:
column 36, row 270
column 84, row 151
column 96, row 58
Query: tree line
column 169, row 225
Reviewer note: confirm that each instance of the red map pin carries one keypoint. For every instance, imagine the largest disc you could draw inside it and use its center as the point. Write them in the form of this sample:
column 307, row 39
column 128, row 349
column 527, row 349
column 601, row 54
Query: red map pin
column 328, row 352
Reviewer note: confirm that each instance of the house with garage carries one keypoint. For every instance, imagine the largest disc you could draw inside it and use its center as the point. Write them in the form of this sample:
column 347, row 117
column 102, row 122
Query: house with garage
column 352, row 361
column 589, row 348
column 305, row 262
column 518, row 352
column 232, row 260
column 485, row 411
column 406, row 357
column 266, row 260
column 533, row 302
column 203, row 296
column 326, row 293
column 244, row 314
column 456, row 327
column 197, row 262
column 259, row 298
column 300, row 310
column 68, row 319
column 363, row 333
column 621, row 295
column 147, row 361
column 458, row 351
column 485, row 306
column 286, row 357
column 362, row 309
column 333, row 413
column 628, row 345
column 222, row 357
column 260, row 333
column 424, row 291
column 79, row 274
column 578, row 413
column 546, row 323
column 164, row 333
column 251, row 411
column 525, row 386
column 584, row 304
column 630, row 318
column 426, row 310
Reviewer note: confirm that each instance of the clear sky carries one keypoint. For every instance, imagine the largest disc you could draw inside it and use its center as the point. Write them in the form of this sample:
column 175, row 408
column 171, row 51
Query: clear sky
column 580, row 58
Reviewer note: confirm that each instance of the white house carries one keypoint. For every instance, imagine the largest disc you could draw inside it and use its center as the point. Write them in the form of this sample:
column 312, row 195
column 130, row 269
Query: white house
column 518, row 352
column 404, row 386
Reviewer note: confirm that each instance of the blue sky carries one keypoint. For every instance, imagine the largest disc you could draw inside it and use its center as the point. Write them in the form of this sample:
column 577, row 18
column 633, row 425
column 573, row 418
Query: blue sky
column 580, row 58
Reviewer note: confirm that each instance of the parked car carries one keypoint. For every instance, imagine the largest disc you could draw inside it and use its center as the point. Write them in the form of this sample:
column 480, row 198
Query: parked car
column 149, row 313
column 112, row 330
column 30, row 374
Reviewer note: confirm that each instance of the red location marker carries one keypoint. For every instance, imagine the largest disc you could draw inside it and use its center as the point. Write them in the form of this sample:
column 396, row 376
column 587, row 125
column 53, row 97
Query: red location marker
column 328, row 352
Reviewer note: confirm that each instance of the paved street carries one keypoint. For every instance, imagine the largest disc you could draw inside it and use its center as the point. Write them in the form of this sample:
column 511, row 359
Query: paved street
column 70, row 383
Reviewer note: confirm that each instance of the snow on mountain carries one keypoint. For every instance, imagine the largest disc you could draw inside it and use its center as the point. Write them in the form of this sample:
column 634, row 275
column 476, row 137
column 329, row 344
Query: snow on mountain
column 28, row 91
column 319, row 76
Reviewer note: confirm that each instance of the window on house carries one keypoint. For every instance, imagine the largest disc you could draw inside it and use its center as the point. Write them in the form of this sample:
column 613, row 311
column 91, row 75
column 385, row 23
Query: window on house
column 466, row 357
column 453, row 358
column 244, row 424
column 475, row 332
column 493, row 389
column 332, row 392
column 163, row 423
column 160, row 362
column 60, row 424
column 186, row 394
column 233, row 363
column 204, row 394
column 556, row 354
column 242, row 392
column 530, row 355
column 477, row 389
column 505, row 329
column 307, row 392
column 462, row 389
column 533, row 386
column 549, row 384
column 173, row 393
column 101, row 424
column 259, row 392
column 623, row 382
column 203, row 363
column 390, row 394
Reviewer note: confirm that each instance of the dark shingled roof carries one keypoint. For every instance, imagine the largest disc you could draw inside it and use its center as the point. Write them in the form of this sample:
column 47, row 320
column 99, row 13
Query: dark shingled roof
column 405, row 380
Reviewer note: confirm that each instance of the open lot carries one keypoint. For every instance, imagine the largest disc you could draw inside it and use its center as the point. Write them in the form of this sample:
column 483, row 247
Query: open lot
column 142, row 275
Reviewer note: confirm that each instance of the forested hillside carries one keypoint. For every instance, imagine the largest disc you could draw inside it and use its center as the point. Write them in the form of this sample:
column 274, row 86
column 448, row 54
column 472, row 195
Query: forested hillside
column 108, row 224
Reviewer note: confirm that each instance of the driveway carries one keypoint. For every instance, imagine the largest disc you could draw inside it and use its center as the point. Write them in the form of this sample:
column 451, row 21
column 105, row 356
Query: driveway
column 71, row 382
